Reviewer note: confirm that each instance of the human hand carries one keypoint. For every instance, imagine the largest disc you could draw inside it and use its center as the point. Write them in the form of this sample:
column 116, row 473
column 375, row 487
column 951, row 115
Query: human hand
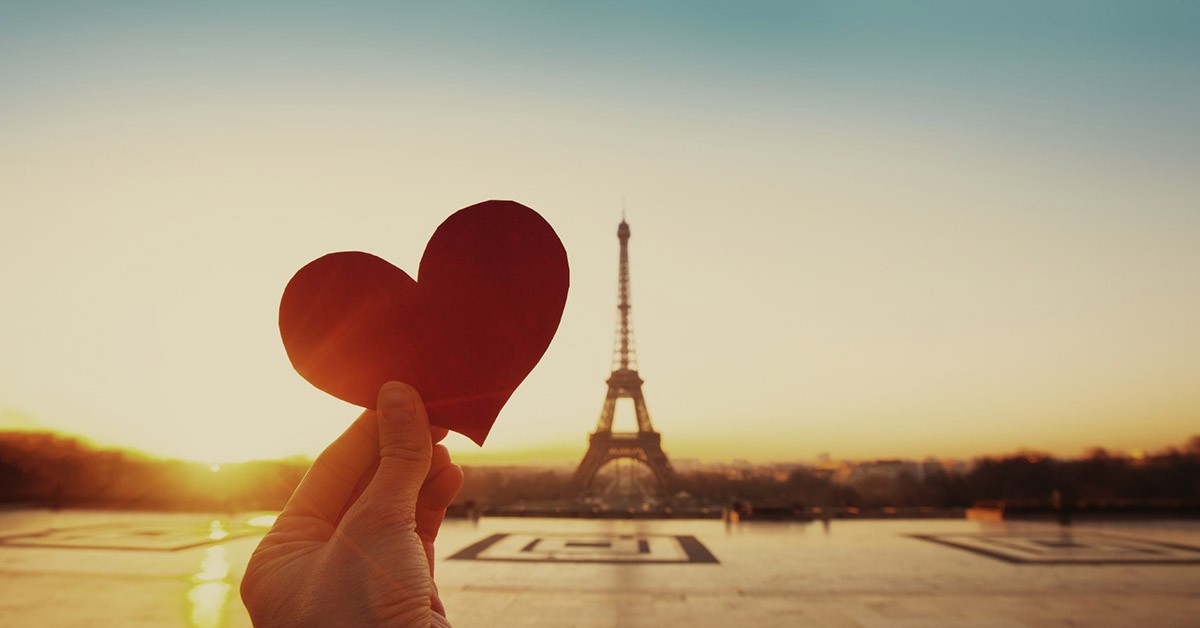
column 354, row 544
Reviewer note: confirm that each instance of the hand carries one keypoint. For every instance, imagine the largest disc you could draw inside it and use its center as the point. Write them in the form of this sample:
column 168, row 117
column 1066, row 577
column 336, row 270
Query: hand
column 354, row 545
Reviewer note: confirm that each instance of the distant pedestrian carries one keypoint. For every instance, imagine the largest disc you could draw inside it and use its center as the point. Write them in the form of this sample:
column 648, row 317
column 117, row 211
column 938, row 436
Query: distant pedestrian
column 1062, row 507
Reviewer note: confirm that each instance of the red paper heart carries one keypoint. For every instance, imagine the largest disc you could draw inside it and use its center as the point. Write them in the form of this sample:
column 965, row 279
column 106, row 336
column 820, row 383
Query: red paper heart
column 488, row 298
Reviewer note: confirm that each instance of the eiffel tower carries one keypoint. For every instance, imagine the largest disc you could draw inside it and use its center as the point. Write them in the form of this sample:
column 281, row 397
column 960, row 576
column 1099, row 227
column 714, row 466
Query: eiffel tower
column 605, row 445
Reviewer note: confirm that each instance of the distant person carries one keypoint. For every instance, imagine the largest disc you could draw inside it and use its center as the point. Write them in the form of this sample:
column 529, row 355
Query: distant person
column 473, row 511
column 1062, row 506
column 351, row 549
column 731, row 514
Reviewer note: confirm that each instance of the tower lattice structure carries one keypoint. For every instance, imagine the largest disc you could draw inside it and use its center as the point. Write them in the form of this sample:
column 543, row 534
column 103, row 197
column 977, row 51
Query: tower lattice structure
column 605, row 445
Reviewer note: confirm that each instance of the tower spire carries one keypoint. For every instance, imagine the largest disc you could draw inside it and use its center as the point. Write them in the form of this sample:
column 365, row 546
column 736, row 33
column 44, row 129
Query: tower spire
column 624, row 353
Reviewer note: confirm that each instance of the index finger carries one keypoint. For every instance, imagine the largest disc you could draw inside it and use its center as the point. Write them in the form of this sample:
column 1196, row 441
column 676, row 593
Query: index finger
column 331, row 479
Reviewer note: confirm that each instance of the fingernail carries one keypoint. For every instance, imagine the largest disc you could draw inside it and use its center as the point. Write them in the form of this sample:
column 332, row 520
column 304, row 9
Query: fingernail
column 396, row 402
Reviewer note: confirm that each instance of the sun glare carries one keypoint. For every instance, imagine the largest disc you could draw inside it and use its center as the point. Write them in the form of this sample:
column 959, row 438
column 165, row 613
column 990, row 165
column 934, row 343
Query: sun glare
column 261, row 521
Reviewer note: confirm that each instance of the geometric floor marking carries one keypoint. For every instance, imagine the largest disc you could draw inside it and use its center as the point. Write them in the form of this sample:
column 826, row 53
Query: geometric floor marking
column 166, row 536
column 1069, row 548
column 588, row 548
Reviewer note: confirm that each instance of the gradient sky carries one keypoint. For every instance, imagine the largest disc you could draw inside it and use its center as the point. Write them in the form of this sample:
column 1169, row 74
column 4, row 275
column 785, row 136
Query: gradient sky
column 858, row 228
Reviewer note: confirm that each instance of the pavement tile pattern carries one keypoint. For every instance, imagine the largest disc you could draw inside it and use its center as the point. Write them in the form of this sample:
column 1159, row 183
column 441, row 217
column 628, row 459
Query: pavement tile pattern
column 136, row 570
column 1064, row 547
column 585, row 547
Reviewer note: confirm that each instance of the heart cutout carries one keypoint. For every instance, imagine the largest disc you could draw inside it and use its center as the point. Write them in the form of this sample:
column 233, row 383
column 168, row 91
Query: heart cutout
column 488, row 298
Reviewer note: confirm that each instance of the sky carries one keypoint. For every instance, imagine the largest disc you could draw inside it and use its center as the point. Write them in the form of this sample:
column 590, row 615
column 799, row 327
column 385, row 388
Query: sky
column 867, row 229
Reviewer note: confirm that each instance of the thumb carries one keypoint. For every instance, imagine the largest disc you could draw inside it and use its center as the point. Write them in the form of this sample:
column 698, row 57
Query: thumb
column 405, row 451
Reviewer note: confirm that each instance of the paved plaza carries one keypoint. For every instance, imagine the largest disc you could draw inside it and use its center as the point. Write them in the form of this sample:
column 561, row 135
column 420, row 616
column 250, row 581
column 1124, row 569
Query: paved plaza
column 150, row 569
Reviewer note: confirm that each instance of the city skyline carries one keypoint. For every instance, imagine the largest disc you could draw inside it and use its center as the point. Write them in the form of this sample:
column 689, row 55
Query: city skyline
column 858, row 229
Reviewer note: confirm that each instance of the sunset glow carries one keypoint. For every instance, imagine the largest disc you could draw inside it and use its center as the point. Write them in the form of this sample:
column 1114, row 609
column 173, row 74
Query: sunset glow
column 873, row 235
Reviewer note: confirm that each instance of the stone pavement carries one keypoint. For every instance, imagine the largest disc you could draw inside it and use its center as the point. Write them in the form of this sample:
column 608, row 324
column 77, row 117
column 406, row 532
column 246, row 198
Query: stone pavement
column 144, row 569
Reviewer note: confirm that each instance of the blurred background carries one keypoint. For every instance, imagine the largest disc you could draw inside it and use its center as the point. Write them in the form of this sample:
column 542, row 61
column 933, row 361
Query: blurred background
column 878, row 254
